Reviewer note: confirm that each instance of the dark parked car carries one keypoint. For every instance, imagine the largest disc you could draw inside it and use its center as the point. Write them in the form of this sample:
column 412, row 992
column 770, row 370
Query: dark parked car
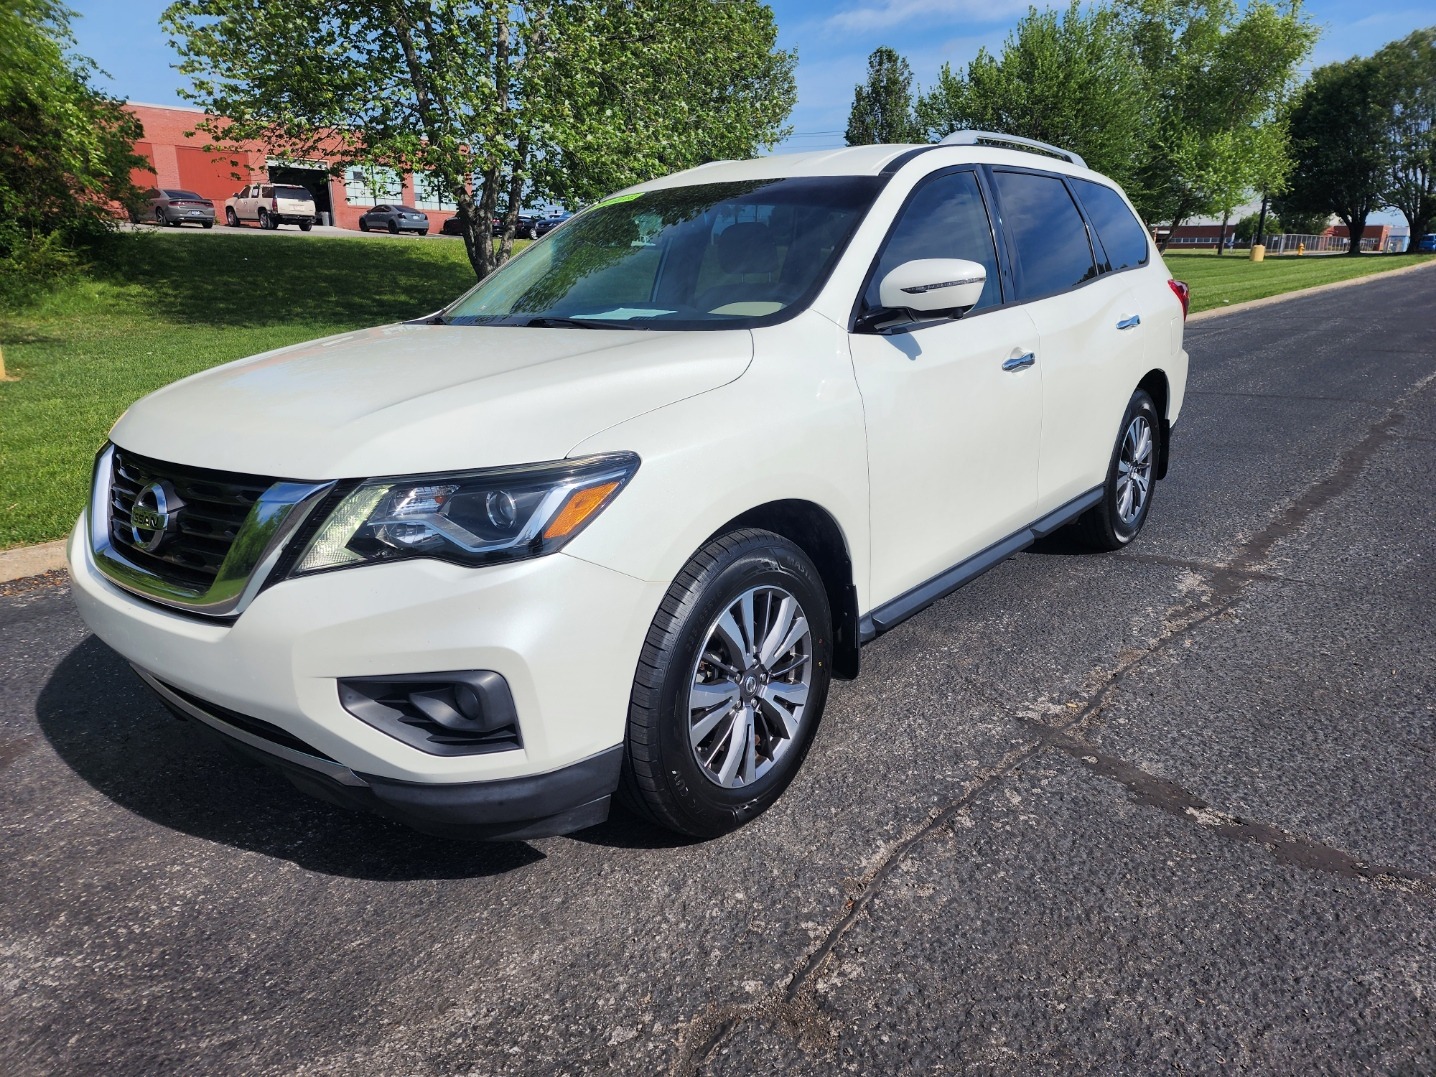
column 547, row 224
column 173, row 206
column 530, row 225
column 1427, row 242
column 396, row 219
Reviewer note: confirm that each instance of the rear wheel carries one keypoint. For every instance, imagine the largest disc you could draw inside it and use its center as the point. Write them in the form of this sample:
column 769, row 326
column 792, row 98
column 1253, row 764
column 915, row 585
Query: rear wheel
column 393, row 228
column 423, row 231
column 306, row 226
column 265, row 220
column 1131, row 479
column 160, row 221
column 208, row 224
column 730, row 685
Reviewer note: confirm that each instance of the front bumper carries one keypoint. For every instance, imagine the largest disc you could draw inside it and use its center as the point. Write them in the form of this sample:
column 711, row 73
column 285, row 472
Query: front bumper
column 564, row 633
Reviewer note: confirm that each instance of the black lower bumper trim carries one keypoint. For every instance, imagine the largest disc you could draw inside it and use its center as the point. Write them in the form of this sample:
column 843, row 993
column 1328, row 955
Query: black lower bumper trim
column 534, row 806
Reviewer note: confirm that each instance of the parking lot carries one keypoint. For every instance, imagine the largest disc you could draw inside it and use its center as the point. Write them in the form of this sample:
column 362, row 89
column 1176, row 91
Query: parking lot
column 1166, row 810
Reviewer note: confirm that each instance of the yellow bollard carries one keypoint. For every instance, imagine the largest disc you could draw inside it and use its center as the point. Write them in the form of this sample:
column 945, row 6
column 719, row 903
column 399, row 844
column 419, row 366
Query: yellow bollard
column 1258, row 252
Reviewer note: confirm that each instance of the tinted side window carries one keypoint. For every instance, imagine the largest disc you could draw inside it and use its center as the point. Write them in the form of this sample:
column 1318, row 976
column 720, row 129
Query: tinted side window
column 1051, row 239
column 1123, row 237
column 944, row 219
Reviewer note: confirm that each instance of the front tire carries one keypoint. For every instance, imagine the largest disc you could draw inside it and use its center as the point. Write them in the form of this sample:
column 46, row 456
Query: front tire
column 231, row 219
column 730, row 686
column 1131, row 478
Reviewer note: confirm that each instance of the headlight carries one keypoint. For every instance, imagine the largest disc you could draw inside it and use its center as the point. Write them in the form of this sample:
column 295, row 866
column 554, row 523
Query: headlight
column 472, row 518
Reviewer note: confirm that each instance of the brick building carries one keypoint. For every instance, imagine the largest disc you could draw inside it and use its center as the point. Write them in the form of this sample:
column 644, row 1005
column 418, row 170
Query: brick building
column 180, row 160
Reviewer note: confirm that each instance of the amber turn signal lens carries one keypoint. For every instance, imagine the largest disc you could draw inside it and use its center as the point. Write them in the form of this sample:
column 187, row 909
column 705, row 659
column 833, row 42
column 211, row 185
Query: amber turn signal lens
column 580, row 506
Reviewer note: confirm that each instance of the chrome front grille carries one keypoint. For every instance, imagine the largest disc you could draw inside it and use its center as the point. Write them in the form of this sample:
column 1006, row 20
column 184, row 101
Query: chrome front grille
column 191, row 538
column 216, row 504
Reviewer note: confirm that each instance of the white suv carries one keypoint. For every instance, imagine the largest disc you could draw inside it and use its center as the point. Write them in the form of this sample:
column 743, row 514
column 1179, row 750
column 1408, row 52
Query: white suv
column 611, row 521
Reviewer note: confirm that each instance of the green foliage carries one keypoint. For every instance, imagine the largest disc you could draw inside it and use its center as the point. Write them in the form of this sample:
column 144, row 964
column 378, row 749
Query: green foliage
column 499, row 102
column 1408, row 72
column 1071, row 80
column 882, row 107
column 1221, row 78
column 1342, row 145
column 65, row 150
column 1244, row 231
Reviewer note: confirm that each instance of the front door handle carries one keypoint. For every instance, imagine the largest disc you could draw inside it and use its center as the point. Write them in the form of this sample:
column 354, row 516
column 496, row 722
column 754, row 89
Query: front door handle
column 1130, row 323
column 1019, row 362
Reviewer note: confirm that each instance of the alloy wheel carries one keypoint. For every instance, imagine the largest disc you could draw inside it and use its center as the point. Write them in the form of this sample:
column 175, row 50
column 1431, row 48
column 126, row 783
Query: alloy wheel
column 1134, row 470
column 750, row 687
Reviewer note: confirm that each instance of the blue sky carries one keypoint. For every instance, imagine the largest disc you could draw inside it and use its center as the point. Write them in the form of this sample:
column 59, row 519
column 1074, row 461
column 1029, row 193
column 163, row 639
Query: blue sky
column 833, row 39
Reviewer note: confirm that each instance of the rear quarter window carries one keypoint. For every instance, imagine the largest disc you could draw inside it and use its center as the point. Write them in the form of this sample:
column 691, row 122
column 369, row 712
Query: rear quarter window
column 1121, row 234
column 1053, row 254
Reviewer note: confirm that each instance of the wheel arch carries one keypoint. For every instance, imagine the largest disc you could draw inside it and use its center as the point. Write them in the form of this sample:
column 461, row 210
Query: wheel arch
column 1156, row 385
column 817, row 533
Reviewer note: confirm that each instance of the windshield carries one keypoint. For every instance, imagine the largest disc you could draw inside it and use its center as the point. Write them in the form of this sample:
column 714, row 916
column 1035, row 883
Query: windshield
column 713, row 256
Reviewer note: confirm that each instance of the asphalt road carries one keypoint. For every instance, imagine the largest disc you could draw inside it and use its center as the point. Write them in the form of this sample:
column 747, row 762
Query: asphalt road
column 1169, row 810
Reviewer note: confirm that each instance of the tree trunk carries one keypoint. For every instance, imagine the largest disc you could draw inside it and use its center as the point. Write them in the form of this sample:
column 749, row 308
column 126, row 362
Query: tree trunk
column 1222, row 238
column 1355, row 228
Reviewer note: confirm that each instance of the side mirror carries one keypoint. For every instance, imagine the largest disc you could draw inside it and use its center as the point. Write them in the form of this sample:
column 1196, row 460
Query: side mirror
column 934, row 287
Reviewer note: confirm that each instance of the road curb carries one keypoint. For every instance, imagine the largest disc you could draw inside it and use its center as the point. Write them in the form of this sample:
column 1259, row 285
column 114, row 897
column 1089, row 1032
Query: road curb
column 25, row 561
column 1267, row 301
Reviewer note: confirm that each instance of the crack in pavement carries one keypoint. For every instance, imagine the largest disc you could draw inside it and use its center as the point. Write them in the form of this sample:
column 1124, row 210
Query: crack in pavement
column 793, row 1000
column 1150, row 790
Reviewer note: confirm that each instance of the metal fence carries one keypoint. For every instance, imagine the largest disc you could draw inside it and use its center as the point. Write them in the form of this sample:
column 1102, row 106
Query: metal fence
column 1288, row 243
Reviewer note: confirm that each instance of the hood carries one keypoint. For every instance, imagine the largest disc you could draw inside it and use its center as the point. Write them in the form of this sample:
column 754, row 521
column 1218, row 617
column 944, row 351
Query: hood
column 410, row 398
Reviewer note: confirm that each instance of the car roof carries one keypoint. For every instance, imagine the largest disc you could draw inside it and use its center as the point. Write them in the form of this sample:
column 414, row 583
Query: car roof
column 861, row 161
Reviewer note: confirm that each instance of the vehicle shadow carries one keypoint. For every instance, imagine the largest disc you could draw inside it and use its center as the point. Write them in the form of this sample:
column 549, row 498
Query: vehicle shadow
column 111, row 731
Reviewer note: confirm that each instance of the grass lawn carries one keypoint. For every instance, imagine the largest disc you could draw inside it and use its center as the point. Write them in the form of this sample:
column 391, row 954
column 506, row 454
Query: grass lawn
column 179, row 304
column 1232, row 278
column 176, row 305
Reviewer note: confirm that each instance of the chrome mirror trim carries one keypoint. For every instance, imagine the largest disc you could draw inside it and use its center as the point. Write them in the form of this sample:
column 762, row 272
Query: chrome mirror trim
column 262, row 537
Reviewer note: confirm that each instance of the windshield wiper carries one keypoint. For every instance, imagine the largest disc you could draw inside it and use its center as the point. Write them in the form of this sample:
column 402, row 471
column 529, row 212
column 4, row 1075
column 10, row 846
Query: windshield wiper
column 543, row 322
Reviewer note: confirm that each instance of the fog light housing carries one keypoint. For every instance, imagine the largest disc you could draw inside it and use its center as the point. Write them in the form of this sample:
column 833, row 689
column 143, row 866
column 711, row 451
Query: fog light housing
column 464, row 712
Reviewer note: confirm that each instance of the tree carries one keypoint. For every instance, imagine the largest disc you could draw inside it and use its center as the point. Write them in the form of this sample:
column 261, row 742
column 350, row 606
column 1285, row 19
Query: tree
column 882, row 107
column 497, row 101
column 65, row 148
column 1221, row 79
column 1342, row 147
column 1245, row 230
column 1298, row 222
column 1072, row 81
column 1408, row 71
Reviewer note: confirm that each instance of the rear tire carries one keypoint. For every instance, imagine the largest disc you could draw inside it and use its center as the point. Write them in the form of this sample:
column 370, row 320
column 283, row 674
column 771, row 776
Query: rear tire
column 730, row 685
column 423, row 232
column 1131, row 479
column 393, row 228
column 265, row 220
column 306, row 226
column 208, row 224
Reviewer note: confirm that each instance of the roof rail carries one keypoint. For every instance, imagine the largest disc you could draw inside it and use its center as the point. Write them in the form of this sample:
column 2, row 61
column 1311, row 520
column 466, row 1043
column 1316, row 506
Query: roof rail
column 974, row 138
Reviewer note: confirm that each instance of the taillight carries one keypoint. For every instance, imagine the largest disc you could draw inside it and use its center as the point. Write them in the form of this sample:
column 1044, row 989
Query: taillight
column 1183, row 293
column 274, row 205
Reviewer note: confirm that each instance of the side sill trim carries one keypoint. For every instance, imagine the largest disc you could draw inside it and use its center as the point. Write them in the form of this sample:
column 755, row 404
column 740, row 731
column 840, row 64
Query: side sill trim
column 944, row 583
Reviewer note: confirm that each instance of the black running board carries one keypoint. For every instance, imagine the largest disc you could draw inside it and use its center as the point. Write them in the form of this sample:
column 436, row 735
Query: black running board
column 923, row 595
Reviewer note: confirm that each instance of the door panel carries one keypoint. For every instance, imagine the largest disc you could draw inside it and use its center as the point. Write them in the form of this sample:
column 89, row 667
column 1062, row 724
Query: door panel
column 1089, row 369
column 952, row 442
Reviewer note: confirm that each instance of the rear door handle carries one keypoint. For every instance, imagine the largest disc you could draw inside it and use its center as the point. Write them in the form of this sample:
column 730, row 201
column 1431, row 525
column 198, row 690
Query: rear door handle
column 1130, row 323
column 1019, row 362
